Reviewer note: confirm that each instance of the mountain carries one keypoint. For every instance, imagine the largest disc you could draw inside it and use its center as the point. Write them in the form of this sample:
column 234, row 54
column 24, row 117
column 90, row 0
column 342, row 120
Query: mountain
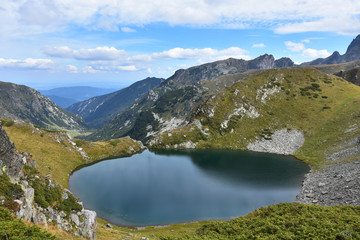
column 62, row 101
column 97, row 111
column 352, row 53
column 19, row 102
column 352, row 75
column 299, row 111
column 65, row 96
column 172, row 103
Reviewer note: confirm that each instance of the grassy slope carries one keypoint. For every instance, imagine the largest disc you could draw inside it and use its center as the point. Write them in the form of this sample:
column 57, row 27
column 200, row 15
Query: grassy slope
column 322, row 114
column 55, row 154
column 306, row 114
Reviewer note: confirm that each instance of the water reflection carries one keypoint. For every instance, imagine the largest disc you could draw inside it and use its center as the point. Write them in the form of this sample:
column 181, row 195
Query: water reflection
column 165, row 187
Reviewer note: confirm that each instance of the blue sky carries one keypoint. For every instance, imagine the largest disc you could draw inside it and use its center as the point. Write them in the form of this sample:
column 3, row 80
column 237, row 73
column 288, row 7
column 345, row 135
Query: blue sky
column 113, row 43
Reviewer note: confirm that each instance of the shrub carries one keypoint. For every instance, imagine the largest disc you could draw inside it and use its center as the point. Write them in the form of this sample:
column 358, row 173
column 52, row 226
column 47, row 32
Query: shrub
column 9, row 190
column 11, row 228
column 70, row 204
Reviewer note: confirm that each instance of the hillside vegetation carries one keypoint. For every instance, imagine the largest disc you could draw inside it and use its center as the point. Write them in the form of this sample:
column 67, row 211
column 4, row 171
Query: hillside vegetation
column 57, row 154
column 144, row 119
column 320, row 106
column 286, row 221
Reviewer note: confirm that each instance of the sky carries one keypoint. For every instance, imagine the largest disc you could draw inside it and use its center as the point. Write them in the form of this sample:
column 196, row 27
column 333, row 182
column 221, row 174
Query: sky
column 113, row 43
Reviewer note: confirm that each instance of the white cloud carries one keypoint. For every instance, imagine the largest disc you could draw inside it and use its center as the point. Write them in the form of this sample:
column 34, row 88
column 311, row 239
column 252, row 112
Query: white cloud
column 295, row 47
column 258, row 45
column 27, row 64
column 31, row 16
column 306, row 52
column 128, row 30
column 313, row 53
column 98, row 53
column 204, row 54
column 72, row 68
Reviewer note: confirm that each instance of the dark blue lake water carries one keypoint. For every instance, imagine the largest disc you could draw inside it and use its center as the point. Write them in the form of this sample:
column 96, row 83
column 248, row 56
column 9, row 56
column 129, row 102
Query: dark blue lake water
column 169, row 186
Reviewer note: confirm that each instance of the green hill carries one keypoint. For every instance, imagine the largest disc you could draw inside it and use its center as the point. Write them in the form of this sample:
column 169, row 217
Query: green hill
column 317, row 106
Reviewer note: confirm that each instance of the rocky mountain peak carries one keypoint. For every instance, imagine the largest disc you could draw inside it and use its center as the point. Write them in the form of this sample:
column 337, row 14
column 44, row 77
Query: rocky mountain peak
column 354, row 46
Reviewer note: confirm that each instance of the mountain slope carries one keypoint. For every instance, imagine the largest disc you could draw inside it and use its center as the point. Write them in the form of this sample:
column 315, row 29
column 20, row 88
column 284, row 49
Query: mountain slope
column 99, row 110
column 290, row 111
column 65, row 96
column 352, row 53
column 19, row 102
column 62, row 101
column 352, row 75
column 172, row 103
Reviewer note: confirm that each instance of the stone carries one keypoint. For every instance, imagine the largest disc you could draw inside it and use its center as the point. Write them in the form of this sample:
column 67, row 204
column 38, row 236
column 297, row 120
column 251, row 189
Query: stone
column 40, row 218
column 75, row 219
column 109, row 225
column 10, row 160
column 88, row 228
column 62, row 214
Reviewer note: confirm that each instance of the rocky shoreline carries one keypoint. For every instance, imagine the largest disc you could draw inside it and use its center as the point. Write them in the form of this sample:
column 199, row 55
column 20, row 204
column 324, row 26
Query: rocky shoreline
column 337, row 185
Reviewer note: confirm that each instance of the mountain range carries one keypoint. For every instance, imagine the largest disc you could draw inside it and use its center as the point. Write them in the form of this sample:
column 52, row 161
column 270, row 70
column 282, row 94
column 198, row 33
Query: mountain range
column 65, row 96
column 171, row 104
column 98, row 110
column 352, row 53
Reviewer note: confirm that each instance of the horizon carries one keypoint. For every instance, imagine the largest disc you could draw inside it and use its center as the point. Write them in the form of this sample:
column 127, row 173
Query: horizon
column 50, row 44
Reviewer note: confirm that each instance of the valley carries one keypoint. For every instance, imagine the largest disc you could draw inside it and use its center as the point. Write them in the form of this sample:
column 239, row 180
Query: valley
column 219, row 108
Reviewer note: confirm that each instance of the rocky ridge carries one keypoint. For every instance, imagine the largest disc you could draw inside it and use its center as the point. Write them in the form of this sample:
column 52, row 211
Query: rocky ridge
column 191, row 86
column 19, row 102
column 352, row 53
column 81, row 223
column 99, row 110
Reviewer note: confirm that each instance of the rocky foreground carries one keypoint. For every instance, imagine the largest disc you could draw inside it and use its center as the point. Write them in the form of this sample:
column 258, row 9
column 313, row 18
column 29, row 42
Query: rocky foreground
column 333, row 186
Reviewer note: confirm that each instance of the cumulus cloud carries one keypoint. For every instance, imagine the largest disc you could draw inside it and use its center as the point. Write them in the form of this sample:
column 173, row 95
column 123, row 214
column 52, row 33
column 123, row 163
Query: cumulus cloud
column 98, row 53
column 202, row 54
column 313, row 53
column 258, row 45
column 27, row 64
column 306, row 52
column 341, row 16
column 295, row 47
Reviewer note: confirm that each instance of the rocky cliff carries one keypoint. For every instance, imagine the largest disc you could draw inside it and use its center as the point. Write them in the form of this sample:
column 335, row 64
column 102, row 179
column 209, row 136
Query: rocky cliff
column 10, row 159
column 352, row 53
column 20, row 102
column 29, row 206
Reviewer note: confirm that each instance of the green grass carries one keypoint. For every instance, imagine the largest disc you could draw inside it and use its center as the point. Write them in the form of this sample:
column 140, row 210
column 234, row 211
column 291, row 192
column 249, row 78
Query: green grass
column 296, row 105
column 55, row 154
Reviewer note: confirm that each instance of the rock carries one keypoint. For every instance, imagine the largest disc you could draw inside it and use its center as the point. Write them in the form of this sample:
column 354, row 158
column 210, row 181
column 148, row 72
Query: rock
column 62, row 214
column 10, row 160
column 27, row 210
column 331, row 186
column 282, row 142
column 48, row 176
column 88, row 227
column 40, row 218
column 75, row 219
column 109, row 225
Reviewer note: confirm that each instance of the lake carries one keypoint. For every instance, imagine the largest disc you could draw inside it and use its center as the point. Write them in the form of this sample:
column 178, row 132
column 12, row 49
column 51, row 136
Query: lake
column 175, row 186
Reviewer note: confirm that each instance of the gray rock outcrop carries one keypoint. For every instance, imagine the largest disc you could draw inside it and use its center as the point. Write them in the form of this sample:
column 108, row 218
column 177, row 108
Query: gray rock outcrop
column 10, row 159
column 336, row 185
column 281, row 142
